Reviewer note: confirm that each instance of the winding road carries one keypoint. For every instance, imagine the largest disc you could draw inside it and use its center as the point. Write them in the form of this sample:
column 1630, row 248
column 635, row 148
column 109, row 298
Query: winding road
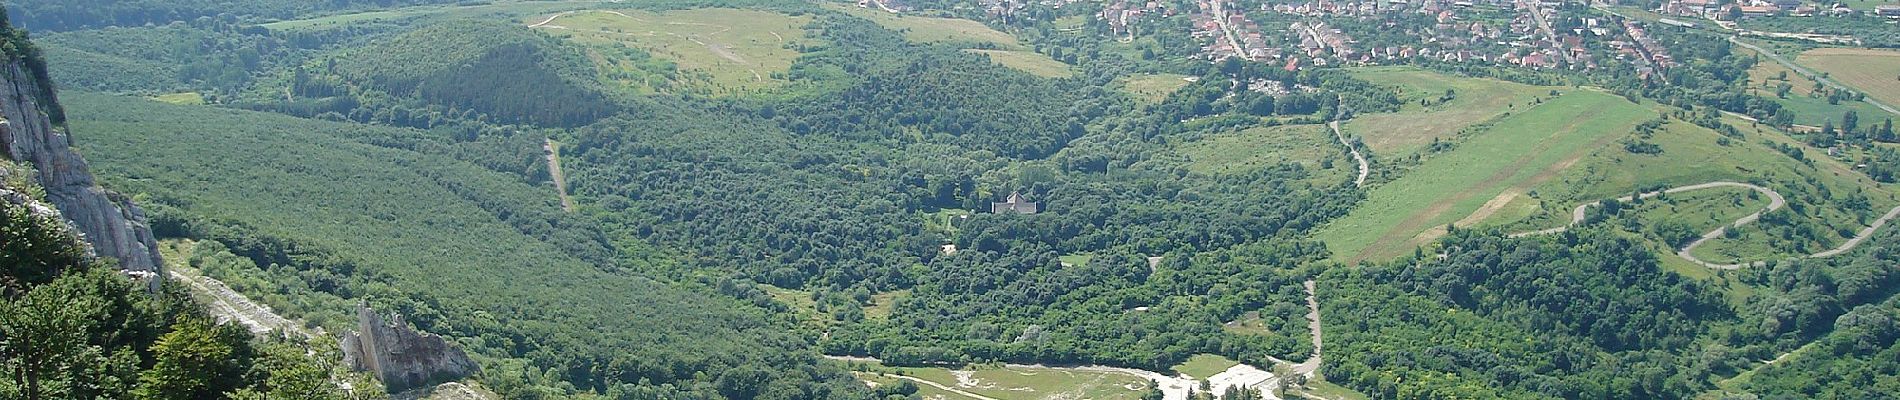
column 1775, row 202
column 1364, row 168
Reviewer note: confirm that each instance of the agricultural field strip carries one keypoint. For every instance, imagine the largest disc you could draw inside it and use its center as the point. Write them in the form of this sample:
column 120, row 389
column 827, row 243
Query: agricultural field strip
column 1804, row 71
column 1776, row 201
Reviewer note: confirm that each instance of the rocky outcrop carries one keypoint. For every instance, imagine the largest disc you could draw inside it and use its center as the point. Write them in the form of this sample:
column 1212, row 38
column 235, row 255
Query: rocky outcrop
column 110, row 222
column 403, row 358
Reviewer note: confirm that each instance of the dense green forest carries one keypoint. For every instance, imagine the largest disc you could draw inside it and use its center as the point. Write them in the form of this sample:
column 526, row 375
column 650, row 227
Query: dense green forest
column 319, row 242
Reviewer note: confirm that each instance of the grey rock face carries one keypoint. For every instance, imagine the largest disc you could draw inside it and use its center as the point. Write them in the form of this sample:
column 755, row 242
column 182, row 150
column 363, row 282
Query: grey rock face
column 403, row 358
column 112, row 224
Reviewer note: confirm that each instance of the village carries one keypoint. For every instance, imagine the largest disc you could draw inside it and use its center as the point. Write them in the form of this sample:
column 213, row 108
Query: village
column 1521, row 33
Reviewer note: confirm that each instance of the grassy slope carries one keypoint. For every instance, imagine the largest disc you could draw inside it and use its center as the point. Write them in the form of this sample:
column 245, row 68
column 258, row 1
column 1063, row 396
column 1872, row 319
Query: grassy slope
column 1502, row 163
column 737, row 50
column 1414, row 126
column 1691, row 154
column 393, row 214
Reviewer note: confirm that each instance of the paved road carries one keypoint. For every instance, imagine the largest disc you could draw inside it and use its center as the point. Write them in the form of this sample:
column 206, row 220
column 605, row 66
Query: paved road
column 1775, row 202
column 1310, row 368
column 1364, row 168
column 1537, row 16
column 1804, row 71
column 1220, row 18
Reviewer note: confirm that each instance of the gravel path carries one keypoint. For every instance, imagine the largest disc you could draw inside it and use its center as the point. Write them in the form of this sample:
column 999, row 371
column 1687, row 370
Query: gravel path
column 1364, row 168
column 1775, row 202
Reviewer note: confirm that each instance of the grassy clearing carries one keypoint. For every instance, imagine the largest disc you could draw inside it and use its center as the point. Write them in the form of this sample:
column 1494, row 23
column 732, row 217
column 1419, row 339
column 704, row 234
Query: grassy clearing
column 1015, row 383
column 1483, row 175
column 715, row 50
column 1203, row 366
column 1152, row 88
column 1260, row 147
column 921, row 29
column 1249, row 323
column 945, row 221
column 1022, row 383
column 800, row 302
column 925, row 392
column 1034, row 63
column 883, row 303
column 1328, row 390
column 183, row 98
column 1415, row 125
column 1871, row 71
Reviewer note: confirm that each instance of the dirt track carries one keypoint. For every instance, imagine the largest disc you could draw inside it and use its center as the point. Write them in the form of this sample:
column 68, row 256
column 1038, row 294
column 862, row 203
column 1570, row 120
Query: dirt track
column 553, row 151
column 1364, row 168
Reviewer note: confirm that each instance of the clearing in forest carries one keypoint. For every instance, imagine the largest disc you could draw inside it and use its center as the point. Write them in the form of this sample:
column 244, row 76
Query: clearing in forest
column 921, row 29
column 182, row 98
column 1013, row 382
column 1002, row 47
column 1255, row 148
column 1031, row 62
column 1151, row 88
column 1428, row 112
column 1483, row 175
column 712, row 51
column 1870, row 71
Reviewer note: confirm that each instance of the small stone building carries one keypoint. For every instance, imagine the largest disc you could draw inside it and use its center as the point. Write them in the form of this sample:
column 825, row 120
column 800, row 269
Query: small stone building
column 1015, row 204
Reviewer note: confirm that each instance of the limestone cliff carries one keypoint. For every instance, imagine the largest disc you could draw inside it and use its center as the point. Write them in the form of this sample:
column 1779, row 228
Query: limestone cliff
column 403, row 358
column 113, row 226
